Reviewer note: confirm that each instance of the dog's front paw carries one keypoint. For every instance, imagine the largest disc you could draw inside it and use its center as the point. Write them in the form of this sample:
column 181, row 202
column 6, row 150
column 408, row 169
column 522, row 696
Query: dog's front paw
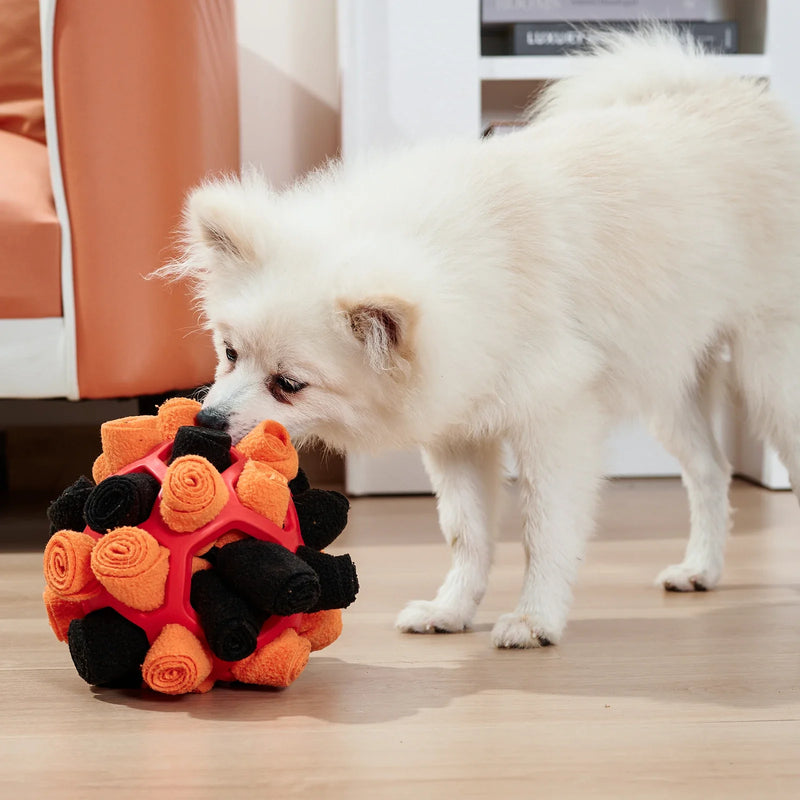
column 687, row 578
column 428, row 616
column 519, row 630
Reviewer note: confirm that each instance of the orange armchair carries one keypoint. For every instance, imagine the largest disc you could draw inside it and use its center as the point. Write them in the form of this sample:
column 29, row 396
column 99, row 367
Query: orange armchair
column 140, row 103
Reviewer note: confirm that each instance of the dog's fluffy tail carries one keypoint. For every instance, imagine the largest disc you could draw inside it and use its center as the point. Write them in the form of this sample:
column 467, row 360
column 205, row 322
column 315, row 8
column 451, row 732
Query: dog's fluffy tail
column 630, row 69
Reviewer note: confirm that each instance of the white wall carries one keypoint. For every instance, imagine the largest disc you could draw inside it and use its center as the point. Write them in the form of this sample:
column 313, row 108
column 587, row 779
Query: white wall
column 289, row 88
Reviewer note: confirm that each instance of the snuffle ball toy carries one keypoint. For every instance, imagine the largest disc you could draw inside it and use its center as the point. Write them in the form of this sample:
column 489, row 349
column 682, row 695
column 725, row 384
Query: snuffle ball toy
column 187, row 561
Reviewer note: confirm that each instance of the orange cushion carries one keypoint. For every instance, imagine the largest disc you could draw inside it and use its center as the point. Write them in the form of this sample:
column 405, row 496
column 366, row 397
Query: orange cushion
column 147, row 106
column 21, row 106
column 30, row 236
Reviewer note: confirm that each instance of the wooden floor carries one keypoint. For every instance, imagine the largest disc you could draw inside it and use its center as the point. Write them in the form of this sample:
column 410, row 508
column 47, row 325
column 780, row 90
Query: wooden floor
column 651, row 695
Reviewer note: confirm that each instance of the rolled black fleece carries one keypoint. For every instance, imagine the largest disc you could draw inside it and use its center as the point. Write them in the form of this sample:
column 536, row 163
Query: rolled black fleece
column 121, row 500
column 269, row 576
column 299, row 483
column 337, row 578
column 322, row 516
column 213, row 445
column 230, row 623
column 66, row 512
column 107, row 649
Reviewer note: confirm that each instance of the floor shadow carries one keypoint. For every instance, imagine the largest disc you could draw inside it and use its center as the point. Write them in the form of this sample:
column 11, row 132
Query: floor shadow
column 688, row 659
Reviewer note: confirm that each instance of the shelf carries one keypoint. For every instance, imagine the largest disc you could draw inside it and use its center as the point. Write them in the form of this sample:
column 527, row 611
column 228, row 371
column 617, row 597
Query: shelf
column 542, row 68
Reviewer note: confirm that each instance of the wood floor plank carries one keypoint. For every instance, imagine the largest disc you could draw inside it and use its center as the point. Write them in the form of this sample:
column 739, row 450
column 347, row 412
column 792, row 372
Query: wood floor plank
column 651, row 695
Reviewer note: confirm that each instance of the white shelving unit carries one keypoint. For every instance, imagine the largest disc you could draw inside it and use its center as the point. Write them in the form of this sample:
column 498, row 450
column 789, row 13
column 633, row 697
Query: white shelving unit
column 547, row 68
column 412, row 70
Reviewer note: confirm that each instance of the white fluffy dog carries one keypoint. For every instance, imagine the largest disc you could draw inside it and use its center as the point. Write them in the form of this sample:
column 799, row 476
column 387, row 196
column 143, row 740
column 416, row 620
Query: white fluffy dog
column 531, row 288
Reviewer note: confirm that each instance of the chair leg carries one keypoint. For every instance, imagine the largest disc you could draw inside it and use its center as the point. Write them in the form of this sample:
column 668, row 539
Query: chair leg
column 4, row 485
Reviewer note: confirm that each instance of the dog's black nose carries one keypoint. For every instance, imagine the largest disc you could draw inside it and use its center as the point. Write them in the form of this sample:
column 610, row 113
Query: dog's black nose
column 212, row 418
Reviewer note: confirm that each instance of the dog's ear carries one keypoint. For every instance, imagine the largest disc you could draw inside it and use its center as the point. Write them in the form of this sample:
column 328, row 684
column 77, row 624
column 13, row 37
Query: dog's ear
column 217, row 218
column 222, row 232
column 383, row 326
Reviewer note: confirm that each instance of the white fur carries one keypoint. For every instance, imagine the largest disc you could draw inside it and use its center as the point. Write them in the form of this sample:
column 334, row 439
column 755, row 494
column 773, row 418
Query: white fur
column 533, row 287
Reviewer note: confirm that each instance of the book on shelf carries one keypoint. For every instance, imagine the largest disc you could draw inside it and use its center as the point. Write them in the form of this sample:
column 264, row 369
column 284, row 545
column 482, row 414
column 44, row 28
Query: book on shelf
column 558, row 38
column 510, row 11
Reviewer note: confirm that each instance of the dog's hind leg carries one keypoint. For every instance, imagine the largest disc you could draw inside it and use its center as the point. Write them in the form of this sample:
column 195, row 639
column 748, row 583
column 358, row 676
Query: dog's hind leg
column 767, row 368
column 467, row 481
column 687, row 433
column 560, row 468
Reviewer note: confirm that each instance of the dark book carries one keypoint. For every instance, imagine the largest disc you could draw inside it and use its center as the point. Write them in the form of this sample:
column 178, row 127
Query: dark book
column 509, row 11
column 558, row 38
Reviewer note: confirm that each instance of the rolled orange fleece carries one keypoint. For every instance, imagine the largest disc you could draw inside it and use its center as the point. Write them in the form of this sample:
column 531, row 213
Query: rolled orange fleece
column 174, row 414
column 199, row 564
column 269, row 442
column 322, row 628
column 277, row 663
column 133, row 567
column 177, row 662
column 67, row 565
column 264, row 490
column 128, row 439
column 60, row 612
column 228, row 537
column 100, row 469
column 206, row 686
column 192, row 494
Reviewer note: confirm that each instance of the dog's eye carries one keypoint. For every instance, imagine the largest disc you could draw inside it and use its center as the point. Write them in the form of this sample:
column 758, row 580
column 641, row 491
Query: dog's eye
column 288, row 385
column 231, row 355
column 280, row 386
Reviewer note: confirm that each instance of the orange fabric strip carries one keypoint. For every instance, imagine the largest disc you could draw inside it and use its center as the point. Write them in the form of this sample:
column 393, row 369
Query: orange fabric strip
column 133, row 567
column 177, row 662
column 67, row 565
column 192, row 494
column 269, row 442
